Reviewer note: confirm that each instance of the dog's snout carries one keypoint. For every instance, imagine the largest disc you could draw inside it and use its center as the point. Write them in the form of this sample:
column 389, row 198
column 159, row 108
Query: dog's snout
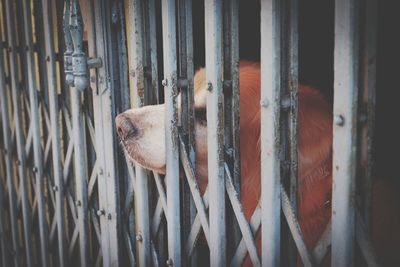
column 125, row 127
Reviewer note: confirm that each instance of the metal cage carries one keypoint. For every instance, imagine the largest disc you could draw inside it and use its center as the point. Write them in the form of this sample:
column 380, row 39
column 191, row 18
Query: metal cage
column 69, row 197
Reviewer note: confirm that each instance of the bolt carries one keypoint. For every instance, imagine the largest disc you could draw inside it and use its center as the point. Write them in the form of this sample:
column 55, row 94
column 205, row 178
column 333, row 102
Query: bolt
column 170, row 262
column 139, row 238
column 101, row 172
column 264, row 103
column 55, row 188
column 339, row 120
column 92, row 79
column 100, row 212
column 109, row 217
column 35, row 169
column 209, row 86
column 48, row 58
column 165, row 82
column 10, row 49
column 78, row 203
column 18, row 162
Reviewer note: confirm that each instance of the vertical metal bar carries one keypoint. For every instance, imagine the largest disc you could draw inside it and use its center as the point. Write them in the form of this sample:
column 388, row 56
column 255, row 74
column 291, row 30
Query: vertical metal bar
column 104, row 113
column 186, row 73
column 8, row 155
column 368, row 87
column 171, row 132
column 27, row 225
column 152, row 47
column 215, row 131
column 35, row 124
column 55, row 128
column 270, row 131
column 81, row 174
column 3, row 241
column 292, row 88
column 232, row 110
column 80, row 156
column 137, row 81
column 344, row 132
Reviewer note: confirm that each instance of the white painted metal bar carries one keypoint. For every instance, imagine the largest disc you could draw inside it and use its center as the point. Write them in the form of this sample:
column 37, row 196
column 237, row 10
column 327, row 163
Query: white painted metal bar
column 21, row 162
column 344, row 132
column 35, row 124
column 215, row 132
column 104, row 113
column 171, row 132
column 270, row 131
column 136, row 51
column 8, row 156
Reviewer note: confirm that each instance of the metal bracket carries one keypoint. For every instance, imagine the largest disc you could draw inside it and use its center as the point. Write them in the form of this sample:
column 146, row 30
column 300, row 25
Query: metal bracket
column 76, row 63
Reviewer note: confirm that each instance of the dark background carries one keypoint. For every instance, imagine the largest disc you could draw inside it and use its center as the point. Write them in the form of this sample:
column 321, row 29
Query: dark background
column 316, row 42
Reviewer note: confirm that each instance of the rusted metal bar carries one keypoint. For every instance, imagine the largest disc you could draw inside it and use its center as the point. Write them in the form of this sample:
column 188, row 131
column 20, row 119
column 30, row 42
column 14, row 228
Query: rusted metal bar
column 185, row 84
column 55, row 128
column 344, row 132
column 136, row 52
column 34, row 118
column 171, row 132
column 21, row 161
column 232, row 110
column 270, row 131
column 289, row 91
column 215, row 132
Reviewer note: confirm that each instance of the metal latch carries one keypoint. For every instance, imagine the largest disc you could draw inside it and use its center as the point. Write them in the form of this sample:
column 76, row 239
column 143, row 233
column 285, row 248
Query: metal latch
column 76, row 64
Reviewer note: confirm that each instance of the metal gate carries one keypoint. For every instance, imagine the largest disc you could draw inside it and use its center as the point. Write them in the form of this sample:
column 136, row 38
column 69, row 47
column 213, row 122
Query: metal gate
column 68, row 196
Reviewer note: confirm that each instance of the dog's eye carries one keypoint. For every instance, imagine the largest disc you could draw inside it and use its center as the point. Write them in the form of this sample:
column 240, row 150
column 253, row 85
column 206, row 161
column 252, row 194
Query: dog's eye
column 201, row 116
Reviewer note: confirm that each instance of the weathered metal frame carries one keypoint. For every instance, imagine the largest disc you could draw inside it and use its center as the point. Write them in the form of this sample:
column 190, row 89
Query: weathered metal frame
column 344, row 132
column 270, row 132
column 8, row 156
column 104, row 113
column 80, row 157
column 171, row 132
column 34, row 121
column 278, row 105
column 21, row 161
column 55, row 129
column 215, row 131
column 142, row 226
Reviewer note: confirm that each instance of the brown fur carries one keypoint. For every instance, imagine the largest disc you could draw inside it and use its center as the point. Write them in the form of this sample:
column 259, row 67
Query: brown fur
column 314, row 165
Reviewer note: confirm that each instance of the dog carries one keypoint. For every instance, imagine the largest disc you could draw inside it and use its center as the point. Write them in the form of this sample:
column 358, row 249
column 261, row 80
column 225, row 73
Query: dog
column 141, row 132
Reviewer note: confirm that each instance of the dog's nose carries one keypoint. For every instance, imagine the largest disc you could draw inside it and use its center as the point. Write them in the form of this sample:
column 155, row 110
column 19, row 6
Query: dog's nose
column 125, row 127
